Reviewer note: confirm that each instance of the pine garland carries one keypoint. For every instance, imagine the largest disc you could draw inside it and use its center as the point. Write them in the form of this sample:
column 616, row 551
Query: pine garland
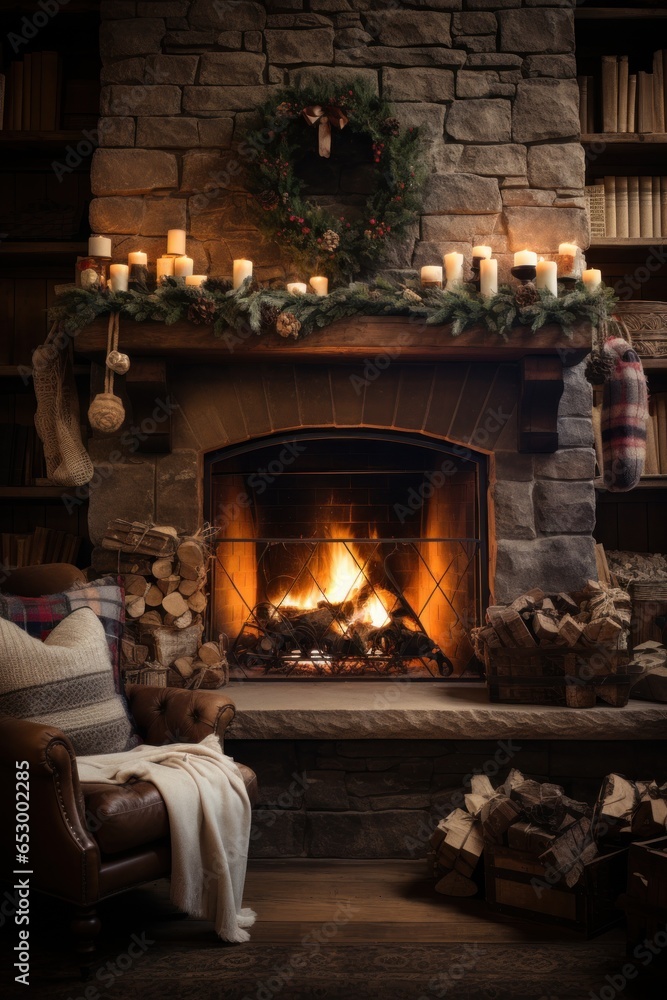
column 254, row 308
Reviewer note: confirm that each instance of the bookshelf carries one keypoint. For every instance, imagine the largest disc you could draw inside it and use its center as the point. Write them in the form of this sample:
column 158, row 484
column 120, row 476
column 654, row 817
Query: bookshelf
column 45, row 220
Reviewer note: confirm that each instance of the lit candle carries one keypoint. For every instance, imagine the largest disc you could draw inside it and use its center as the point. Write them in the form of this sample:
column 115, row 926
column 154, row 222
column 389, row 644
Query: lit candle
column 567, row 260
column 592, row 278
column 183, row 266
column 195, row 279
column 547, row 276
column 453, row 268
column 525, row 257
column 176, row 242
column 483, row 252
column 138, row 257
column 488, row 276
column 99, row 246
column 319, row 285
column 568, row 249
column 431, row 276
column 119, row 275
column 242, row 270
column 164, row 267
column 297, row 287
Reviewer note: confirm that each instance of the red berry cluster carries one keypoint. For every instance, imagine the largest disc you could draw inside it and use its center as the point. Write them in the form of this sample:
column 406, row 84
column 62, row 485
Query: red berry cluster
column 378, row 150
column 378, row 230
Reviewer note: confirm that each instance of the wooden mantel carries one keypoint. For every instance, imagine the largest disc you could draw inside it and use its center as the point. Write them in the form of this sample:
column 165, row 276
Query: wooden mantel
column 346, row 340
column 540, row 356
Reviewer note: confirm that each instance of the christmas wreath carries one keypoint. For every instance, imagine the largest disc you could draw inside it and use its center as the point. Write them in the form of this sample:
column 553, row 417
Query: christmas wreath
column 295, row 124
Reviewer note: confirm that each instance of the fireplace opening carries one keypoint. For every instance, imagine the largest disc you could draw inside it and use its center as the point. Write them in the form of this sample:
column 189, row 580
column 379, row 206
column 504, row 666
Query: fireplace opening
column 347, row 555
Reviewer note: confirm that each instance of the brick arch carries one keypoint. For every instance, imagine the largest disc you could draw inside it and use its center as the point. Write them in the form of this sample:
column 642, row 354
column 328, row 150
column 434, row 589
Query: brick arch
column 464, row 404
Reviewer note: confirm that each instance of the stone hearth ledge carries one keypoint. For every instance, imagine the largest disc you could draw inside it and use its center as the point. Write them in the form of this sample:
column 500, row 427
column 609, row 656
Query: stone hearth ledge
column 303, row 710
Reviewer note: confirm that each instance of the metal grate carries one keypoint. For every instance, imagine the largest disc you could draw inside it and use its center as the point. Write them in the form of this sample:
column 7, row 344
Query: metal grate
column 406, row 608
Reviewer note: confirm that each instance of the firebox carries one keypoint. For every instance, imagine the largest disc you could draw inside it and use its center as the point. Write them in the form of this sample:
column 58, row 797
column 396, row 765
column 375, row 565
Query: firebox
column 347, row 555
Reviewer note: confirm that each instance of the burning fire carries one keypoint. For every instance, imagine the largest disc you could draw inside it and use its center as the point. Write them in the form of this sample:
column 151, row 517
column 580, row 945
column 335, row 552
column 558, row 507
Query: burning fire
column 339, row 575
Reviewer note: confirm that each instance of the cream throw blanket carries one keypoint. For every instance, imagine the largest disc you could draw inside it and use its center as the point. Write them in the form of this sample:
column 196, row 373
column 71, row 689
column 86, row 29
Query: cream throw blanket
column 209, row 823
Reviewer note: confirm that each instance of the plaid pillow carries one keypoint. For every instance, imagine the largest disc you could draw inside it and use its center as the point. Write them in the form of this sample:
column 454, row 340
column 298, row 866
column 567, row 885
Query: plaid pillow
column 38, row 616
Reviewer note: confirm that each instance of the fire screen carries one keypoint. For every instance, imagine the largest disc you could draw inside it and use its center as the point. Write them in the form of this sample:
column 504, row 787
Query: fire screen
column 347, row 558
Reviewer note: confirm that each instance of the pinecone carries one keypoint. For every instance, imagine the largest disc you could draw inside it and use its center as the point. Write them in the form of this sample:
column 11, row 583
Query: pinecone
column 411, row 296
column 202, row 312
column 269, row 314
column 288, row 325
column 268, row 199
column 526, row 295
column 391, row 126
column 330, row 240
column 600, row 366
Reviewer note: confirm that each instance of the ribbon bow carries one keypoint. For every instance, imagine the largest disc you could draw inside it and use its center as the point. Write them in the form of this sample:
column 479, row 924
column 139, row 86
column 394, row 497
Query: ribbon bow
column 324, row 118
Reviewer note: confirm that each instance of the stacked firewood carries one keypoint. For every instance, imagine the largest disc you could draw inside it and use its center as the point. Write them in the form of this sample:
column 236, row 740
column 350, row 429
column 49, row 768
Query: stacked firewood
column 535, row 817
column 597, row 615
column 164, row 575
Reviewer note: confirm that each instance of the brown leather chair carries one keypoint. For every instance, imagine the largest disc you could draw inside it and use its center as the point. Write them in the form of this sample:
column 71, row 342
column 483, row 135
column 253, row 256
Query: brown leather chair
column 90, row 841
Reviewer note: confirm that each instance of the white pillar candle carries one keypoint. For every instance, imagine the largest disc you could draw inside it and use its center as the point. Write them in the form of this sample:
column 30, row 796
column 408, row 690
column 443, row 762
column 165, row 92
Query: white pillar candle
column 195, row 279
column 118, row 277
column 568, row 249
column 183, row 266
column 483, row 252
column 164, row 267
column 176, row 242
column 138, row 257
column 525, row 257
column 453, row 268
column 319, row 285
column 592, row 278
column 297, row 287
column 242, row 270
column 547, row 276
column 488, row 276
column 431, row 274
column 99, row 246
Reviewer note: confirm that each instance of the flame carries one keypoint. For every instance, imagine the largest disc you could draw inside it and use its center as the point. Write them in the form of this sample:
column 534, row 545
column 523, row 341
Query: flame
column 336, row 574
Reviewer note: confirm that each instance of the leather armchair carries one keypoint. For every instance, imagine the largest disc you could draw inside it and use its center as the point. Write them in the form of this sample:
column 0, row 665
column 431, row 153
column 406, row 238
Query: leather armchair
column 89, row 841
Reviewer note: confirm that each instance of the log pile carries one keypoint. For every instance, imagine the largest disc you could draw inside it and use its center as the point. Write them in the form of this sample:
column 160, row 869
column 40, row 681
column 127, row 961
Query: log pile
column 165, row 576
column 543, row 823
column 537, row 818
column 597, row 615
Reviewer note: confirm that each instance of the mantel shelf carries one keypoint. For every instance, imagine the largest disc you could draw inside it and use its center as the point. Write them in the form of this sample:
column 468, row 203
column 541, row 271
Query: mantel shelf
column 346, row 340
column 540, row 356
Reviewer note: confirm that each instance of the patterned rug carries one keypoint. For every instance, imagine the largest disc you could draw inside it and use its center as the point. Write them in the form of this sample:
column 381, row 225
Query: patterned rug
column 203, row 969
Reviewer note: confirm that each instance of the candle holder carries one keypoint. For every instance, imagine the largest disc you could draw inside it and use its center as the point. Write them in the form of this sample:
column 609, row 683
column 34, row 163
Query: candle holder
column 138, row 278
column 476, row 272
column 92, row 273
column 568, row 281
column 525, row 273
column 430, row 284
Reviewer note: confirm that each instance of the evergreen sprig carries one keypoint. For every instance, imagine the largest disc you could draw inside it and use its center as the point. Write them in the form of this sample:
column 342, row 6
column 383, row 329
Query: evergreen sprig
column 254, row 309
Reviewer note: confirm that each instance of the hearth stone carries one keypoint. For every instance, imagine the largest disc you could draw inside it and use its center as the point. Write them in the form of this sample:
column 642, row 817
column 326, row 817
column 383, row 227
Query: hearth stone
column 382, row 798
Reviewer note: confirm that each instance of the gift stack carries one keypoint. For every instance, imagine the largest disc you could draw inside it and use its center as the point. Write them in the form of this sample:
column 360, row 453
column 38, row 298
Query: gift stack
column 563, row 649
column 541, row 854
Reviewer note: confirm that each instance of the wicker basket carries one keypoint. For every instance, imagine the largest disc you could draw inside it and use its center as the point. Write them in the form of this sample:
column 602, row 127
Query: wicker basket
column 151, row 674
column 557, row 675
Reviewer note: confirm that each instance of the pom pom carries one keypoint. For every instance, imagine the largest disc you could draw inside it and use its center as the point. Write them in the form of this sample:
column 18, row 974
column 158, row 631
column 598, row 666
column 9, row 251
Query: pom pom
column 118, row 362
column 106, row 413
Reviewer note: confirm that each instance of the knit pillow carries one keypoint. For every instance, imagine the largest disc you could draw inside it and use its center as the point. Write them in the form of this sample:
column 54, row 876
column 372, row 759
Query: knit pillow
column 65, row 681
column 40, row 615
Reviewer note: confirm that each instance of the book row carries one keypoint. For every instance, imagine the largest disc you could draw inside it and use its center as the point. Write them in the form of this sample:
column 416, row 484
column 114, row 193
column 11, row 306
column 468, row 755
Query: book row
column 618, row 100
column 628, row 207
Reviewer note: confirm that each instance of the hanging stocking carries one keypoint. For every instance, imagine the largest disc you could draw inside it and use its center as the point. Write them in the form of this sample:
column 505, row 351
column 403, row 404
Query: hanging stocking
column 57, row 415
column 624, row 416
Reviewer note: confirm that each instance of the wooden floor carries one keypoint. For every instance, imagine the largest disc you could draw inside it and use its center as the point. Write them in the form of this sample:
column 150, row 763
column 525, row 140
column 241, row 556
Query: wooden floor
column 375, row 901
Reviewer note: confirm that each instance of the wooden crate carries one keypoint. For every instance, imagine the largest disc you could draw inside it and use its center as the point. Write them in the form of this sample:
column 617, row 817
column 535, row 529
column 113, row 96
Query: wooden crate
column 645, row 902
column 518, row 885
column 557, row 675
column 649, row 611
